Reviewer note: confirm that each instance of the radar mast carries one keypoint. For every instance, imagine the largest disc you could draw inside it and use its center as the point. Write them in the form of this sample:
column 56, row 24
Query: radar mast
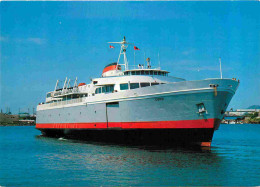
column 124, row 44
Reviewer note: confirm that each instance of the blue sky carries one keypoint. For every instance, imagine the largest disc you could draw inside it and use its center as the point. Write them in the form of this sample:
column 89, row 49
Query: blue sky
column 45, row 41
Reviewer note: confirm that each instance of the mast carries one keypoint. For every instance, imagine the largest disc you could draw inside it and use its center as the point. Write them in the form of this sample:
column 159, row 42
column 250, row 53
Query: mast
column 124, row 45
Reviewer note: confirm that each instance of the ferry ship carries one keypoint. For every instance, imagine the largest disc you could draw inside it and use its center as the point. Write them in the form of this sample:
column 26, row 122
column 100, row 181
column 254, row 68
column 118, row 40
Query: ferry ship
column 140, row 104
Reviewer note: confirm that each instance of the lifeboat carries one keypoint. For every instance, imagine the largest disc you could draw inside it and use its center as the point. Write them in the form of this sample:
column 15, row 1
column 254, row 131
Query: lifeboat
column 81, row 84
column 111, row 69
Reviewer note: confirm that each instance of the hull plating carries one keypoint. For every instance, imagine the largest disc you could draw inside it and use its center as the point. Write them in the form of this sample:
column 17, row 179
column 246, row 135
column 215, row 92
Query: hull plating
column 168, row 116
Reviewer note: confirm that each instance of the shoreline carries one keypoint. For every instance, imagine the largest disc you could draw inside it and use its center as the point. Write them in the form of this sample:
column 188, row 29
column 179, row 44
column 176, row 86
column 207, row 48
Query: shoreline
column 16, row 124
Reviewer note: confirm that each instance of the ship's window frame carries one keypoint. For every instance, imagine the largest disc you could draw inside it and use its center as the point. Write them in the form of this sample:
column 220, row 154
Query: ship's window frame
column 138, row 72
column 103, row 89
column 98, row 90
column 134, row 86
column 142, row 72
column 159, row 73
column 146, row 72
column 133, row 72
column 124, row 88
column 145, row 84
column 156, row 73
column 108, row 88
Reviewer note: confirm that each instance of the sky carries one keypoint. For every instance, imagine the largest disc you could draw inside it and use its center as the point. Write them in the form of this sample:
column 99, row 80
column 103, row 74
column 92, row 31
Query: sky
column 41, row 42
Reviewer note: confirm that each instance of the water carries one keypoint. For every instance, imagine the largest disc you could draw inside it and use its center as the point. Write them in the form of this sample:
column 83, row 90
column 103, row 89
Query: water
column 28, row 159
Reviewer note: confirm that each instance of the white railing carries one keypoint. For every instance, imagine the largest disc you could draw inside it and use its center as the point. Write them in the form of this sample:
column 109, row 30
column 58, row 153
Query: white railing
column 60, row 103
column 65, row 91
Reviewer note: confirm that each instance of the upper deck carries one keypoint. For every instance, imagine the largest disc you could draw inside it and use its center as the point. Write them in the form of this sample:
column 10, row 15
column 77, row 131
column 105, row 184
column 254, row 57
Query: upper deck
column 115, row 77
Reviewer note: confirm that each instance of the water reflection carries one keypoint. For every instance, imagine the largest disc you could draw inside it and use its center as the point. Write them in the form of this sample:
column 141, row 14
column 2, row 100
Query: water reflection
column 101, row 161
column 113, row 155
column 58, row 162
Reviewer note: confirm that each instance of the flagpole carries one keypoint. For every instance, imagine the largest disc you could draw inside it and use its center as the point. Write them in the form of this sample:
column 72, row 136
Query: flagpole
column 159, row 61
column 134, row 58
column 144, row 59
column 220, row 68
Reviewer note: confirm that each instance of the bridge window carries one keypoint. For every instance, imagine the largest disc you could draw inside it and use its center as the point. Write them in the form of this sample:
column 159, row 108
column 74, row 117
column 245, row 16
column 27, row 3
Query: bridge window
column 159, row 73
column 133, row 72
column 98, row 90
column 145, row 84
column 105, row 89
column 142, row 72
column 146, row 72
column 124, row 86
column 155, row 73
column 154, row 83
column 134, row 85
column 138, row 73
column 108, row 88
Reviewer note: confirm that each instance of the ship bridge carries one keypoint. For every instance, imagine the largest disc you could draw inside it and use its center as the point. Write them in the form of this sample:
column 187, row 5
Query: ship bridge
column 117, row 69
column 146, row 72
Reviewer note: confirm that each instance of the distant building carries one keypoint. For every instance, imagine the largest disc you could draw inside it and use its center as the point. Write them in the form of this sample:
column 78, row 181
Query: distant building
column 7, row 118
column 241, row 112
column 24, row 115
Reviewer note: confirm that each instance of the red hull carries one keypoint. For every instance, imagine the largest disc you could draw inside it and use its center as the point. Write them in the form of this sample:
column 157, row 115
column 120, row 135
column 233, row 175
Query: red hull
column 184, row 124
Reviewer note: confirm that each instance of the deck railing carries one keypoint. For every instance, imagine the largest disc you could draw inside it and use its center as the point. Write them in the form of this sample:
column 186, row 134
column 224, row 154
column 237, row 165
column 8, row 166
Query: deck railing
column 61, row 103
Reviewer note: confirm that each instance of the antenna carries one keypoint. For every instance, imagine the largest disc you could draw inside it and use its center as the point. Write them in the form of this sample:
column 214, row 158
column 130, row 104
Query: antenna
column 144, row 59
column 220, row 67
column 134, row 58
column 124, row 45
column 159, row 60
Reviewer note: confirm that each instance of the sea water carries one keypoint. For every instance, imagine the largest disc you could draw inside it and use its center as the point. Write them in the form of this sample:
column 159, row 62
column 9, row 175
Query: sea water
column 28, row 159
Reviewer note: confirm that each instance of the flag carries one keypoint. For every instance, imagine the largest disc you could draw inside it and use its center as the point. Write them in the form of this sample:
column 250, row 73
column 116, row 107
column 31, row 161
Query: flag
column 112, row 47
column 136, row 48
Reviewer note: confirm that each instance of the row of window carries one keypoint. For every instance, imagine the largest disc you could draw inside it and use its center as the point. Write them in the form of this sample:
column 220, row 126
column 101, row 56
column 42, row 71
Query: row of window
column 105, row 89
column 137, row 85
column 125, row 86
column 146, row 73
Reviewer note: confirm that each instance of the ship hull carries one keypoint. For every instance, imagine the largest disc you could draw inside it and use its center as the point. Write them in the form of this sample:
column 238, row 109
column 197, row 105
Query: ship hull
column 162, row 118
column 201, row 137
